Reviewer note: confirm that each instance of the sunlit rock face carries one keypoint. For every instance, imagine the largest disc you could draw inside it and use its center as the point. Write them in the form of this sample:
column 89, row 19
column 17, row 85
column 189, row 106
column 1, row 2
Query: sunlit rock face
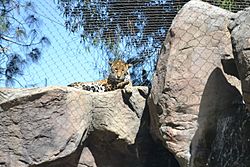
column 196, row 98
column 194, row 115
column 63, row 126
column 240, row 32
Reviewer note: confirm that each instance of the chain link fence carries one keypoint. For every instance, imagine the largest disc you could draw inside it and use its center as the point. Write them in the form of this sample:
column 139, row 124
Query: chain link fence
column 82, row 42
column 135, row 36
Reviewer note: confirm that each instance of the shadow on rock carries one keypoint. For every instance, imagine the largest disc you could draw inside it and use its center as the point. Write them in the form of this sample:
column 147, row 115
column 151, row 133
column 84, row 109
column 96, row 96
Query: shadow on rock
column 221, row 139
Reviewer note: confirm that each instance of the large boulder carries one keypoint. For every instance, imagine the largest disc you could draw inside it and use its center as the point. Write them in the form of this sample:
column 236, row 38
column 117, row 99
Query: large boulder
column 231, row 145
column 63, row 126
column 240, row 31
column 41, row 125
column 223, row 126
column 197, row 44
column 47, row 124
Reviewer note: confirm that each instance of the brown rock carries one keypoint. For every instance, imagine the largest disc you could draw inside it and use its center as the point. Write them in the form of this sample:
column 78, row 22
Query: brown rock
column 119, row 113
column 219, row 100
column 41, row 125
column 241, row 45
column 195, row 45
column 62, row 126
column 87, row 159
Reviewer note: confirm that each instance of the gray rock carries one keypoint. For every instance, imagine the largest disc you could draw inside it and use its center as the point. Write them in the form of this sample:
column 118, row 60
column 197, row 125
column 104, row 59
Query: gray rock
column 195, row 107
column 119, row 113
column 219, row 99
column 48, row 126
column 41, row 125
column 197, row 42
column 231, row 146
column 87, row 159
column 240, row 30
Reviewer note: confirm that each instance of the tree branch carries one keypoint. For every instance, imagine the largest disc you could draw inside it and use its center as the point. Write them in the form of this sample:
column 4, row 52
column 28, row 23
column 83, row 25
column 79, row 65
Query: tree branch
column 17, row 43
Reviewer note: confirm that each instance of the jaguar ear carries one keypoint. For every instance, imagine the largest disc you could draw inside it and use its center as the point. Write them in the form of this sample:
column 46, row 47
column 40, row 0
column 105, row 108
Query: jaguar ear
column 129, row 65
column 110, row 63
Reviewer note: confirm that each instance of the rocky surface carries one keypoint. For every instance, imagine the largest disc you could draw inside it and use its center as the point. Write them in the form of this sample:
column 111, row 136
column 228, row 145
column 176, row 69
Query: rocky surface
column 231, row 145
column 41, row 125
column 240, row 31
column 220, row 106
column 58, row 126
column 196, row 45
column 195, row 115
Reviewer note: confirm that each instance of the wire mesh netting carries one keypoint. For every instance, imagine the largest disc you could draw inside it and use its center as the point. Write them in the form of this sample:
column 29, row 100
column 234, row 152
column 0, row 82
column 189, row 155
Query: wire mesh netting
column 83, row 37
column 47, row 43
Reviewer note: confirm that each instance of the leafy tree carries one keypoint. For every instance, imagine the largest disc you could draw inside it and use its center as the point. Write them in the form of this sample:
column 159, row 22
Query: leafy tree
column 226, row 4
column 20, row 41
column 131, row 30
column 231, row 5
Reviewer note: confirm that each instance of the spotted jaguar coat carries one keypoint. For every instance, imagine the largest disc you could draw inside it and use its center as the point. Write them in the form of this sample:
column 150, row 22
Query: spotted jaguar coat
column 118, row 78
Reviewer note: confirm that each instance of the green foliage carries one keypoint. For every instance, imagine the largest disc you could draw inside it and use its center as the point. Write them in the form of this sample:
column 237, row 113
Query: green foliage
column 226, row 4
column 18, row 31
